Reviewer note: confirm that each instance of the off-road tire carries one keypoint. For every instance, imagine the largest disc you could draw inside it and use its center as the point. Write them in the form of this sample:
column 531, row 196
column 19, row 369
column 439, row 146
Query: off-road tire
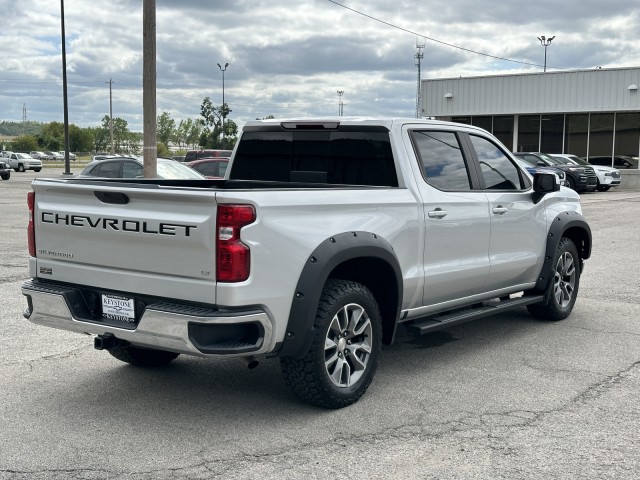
column 315, row 377
column 142, row 357
column 561, row 293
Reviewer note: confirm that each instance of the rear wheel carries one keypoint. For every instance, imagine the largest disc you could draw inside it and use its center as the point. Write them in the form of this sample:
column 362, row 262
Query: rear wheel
column 339, row 366
column 6, row 176
column 143, row 357
column 21, row 168
column 563, row 288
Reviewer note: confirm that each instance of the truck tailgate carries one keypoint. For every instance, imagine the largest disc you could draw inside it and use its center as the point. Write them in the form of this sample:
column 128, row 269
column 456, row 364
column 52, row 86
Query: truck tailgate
column 143, row 238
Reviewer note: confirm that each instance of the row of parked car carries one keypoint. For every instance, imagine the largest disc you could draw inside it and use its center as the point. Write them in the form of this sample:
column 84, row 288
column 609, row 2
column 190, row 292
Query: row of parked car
column 59, row 156
column 573, row 171
column 167, row 168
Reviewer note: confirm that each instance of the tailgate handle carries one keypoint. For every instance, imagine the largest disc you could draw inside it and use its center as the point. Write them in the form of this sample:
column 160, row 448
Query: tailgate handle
column 112, row 197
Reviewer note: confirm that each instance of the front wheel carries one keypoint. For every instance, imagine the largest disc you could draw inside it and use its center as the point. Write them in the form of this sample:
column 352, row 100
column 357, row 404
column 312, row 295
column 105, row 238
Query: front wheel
column 37, row 170
column 6, row 176
column 339, row 366
column 560, row 295
column 603, row 188
column 571, row 183
column 21, row 168
column 142, row 357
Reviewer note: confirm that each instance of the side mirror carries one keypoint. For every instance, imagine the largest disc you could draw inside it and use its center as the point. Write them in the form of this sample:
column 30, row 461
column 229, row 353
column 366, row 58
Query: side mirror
column 544, row 183
column 540, row 163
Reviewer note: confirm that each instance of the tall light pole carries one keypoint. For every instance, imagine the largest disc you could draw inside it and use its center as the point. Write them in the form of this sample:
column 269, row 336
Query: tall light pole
column 65, row 102
column 224, row 110
column 340, row 104
column 545, row 42
column 110, row 82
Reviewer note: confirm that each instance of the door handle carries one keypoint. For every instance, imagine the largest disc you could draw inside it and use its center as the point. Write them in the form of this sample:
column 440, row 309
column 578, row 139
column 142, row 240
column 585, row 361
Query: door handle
column 500, row 210
column 437, row 213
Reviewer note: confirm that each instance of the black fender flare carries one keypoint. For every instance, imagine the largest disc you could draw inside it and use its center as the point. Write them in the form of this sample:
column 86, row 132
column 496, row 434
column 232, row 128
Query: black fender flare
column 566, row 224
column 331, row 253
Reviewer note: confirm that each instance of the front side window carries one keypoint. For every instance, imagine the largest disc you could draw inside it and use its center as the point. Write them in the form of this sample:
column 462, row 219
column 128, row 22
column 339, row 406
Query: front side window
column 497, row 170
column 443, row 164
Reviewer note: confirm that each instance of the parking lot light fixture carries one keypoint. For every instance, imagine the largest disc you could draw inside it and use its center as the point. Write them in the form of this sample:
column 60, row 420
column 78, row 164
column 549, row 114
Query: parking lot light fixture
column 223, row 104
column 545, row 42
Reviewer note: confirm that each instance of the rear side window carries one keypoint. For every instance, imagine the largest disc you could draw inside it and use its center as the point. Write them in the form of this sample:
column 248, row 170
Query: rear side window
column 107, row 169
column 340, row 157
column 443, row 164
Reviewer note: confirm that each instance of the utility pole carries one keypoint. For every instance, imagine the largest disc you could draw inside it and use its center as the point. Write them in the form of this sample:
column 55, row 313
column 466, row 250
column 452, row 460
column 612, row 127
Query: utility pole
column 110, row 82
column 224, row 110
column 150, row 146
column 418, row 56
column 24, row 118
column 340, row 104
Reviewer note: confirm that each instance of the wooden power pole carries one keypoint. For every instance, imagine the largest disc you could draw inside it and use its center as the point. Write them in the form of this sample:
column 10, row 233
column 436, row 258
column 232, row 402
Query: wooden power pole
column 150, row 146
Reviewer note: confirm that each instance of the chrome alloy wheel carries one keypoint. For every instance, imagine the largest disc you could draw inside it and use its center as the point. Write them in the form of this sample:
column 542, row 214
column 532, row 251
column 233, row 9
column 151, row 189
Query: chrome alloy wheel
column 347, row 345
column 564, row 281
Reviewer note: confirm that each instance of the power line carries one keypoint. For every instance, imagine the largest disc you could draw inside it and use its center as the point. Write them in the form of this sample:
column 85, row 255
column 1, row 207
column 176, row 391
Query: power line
column 434, row 39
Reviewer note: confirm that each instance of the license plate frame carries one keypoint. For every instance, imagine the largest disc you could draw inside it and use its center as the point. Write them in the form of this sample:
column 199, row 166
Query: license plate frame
column 118, row 307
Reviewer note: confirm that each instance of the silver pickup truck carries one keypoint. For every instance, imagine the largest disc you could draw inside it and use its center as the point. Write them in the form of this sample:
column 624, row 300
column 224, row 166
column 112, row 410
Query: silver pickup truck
column 323, row 238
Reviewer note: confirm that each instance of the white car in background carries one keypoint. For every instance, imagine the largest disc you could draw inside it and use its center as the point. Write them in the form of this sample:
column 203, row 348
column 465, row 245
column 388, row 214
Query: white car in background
column 607, row 176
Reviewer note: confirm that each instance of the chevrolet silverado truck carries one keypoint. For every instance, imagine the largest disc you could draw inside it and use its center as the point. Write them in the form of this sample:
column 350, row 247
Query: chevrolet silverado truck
column 324, row 237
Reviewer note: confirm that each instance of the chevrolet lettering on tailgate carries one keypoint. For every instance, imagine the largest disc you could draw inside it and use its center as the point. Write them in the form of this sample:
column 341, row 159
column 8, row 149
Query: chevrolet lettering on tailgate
column 117, row 224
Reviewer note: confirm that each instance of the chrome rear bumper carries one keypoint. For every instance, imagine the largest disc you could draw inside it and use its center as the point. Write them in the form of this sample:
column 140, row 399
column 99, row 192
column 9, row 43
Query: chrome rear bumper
column 192, row 330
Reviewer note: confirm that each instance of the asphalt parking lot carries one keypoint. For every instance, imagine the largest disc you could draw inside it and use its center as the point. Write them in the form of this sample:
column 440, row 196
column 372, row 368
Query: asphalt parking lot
column 508, row 397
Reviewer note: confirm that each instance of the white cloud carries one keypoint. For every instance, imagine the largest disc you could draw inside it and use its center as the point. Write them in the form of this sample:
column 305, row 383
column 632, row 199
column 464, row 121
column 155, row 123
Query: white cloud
column 288, row 58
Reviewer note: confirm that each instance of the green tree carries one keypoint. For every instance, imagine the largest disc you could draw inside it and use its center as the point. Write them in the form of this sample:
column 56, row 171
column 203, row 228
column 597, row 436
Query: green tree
column 165, row 128
column 163, row 150
column 51, row 136
column 80, row 139
column 100, row 137
column 121, row 136
column 212, row 118
column 25, row 143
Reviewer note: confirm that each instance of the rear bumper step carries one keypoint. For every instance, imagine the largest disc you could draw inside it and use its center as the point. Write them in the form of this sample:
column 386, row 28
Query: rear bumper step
column 189, row 329
column 440, row 321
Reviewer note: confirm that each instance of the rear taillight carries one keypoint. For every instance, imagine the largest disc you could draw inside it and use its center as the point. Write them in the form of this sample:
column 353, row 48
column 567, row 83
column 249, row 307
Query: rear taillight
column 233, row 256
column 31, row 231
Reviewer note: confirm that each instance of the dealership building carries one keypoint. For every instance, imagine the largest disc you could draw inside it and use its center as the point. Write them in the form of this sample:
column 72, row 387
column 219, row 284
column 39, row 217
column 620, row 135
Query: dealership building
column 590, row 113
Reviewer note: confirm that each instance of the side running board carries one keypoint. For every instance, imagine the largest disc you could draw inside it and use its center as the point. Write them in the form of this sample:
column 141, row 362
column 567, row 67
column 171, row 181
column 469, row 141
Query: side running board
column 438, row 322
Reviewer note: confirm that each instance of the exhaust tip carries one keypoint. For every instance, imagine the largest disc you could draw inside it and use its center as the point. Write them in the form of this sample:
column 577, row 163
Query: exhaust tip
column 252, row 362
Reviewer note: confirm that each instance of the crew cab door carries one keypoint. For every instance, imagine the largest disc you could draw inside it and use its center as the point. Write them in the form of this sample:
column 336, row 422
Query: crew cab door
column 456, row 217
column 518, row 225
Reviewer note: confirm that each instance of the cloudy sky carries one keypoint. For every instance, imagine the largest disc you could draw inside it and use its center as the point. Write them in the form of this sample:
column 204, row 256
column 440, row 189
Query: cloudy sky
column 289, row 58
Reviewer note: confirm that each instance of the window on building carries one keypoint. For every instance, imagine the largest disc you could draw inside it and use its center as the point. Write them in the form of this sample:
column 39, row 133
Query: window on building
column 627, row 143
column 529, row 133
column 552, row 129
column 601, row 135
column 576, row 134
column 497, row 170
column 442, row 160
column 465, row 120
column 503, row 129
column 483, row 122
